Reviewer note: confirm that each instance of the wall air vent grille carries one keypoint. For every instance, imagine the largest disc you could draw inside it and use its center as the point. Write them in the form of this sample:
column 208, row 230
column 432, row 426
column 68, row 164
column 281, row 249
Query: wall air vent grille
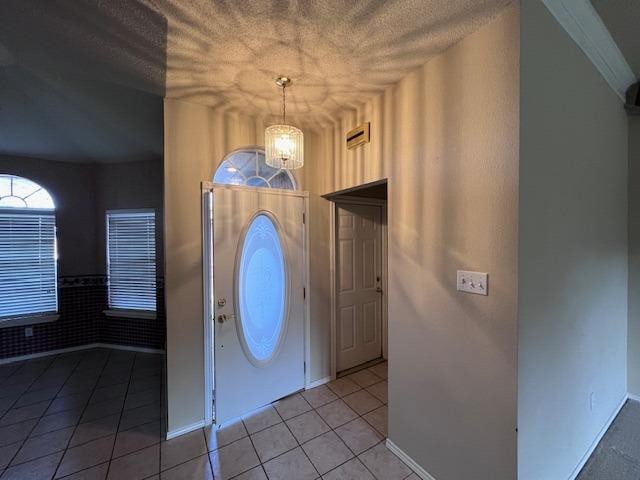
column 358, row 136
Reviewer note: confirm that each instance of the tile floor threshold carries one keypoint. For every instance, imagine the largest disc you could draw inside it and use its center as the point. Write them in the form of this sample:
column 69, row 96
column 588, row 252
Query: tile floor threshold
column 357, row 368
column 98, row 414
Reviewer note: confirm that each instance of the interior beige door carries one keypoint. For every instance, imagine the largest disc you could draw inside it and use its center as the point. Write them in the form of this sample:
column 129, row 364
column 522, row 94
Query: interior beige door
column 359, row 285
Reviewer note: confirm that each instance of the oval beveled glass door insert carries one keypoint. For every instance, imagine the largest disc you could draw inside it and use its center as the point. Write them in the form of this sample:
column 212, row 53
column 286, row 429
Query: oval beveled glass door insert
column 262, row 290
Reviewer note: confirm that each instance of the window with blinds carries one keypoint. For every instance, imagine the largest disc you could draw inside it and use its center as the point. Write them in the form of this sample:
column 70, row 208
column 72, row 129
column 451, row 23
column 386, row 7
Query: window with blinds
column 28, row 264
column 131, row 260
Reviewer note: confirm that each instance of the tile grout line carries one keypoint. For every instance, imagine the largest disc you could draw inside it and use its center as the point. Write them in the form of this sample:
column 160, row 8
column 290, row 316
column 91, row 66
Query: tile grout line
column 50, row 402
column 20, row 395
column 132, row 369
column 384, row 437
column 314, row 409
column 355, row 456
column 87, row 403
column 124, row 401
column 294, row 437
column 88, row 441
column 128, row 453
column 106, row 362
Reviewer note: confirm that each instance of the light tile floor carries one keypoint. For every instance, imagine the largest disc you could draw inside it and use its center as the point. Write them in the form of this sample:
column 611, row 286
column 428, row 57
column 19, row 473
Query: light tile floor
column 97, row 414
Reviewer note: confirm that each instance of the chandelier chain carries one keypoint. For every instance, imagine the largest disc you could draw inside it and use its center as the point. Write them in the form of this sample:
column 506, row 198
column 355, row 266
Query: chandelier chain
column 284, row 105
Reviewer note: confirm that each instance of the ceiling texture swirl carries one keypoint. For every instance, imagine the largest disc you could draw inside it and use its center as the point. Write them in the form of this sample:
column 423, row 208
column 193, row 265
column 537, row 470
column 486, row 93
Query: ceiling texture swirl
column 84, row 79
column 227, row 54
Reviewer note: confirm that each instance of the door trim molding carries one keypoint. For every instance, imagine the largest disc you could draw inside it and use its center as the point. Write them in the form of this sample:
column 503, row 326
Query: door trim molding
column 207, row 298
column 333, row 287
column 583, row 24
column 307, row 301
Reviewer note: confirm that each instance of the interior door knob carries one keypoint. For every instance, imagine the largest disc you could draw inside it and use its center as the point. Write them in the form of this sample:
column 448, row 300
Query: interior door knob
column 221, row 318
column 379, row 289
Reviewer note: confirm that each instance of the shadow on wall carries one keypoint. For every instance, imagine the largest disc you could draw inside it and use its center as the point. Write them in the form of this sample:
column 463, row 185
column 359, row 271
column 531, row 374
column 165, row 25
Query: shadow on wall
column 446, row 138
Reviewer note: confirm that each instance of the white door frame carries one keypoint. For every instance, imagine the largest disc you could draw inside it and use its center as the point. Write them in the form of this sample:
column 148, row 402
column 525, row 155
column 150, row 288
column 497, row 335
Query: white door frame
column 209, row 284
column 333, row 247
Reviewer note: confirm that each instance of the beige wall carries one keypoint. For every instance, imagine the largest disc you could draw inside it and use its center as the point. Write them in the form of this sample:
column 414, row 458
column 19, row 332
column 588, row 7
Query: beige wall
column 82, row 193
column 572, row 305
column 446, row 137
column 128, row 185
column 633, row 358
column 197, row 138
column 72, row 187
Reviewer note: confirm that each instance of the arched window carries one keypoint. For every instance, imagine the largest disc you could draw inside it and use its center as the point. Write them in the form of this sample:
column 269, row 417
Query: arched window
column 18, row 192
column 248, row 167
column 28, row 265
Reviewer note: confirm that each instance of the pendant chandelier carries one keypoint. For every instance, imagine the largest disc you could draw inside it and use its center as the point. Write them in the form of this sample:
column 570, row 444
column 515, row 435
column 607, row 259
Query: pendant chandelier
column 284, row 144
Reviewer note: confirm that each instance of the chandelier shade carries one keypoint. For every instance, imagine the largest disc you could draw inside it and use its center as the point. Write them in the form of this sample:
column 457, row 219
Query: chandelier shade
column 284, row 144
column 284, row 147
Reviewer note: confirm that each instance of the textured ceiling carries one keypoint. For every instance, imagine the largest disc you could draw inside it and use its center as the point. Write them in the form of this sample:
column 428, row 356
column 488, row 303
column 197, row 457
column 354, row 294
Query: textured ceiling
column 81, row 79
column 622, row 18
column 84, row 79
column 339, row 53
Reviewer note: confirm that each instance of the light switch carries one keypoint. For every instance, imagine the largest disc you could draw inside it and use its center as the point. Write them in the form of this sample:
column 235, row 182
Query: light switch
column 473, row 282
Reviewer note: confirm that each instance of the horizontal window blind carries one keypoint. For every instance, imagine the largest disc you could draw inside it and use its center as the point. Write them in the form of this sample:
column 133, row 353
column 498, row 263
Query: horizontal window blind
column 131, row 243
column 27, row 264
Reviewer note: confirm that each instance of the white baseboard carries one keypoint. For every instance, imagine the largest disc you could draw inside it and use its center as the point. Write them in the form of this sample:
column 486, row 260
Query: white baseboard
column 130, row 348
column 635, row 398
column 595, row 443
column 317, row 383
column 189, row 428
column 43, row 354
column 411, row 463
column 76, row 349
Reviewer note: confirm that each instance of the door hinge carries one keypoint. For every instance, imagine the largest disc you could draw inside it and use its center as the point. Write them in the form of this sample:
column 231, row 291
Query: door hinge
column 304, row 366
column 304, row 292
column 304, row 218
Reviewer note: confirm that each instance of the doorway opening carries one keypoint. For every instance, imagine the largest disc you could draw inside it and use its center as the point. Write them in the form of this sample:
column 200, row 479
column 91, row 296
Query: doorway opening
column 359, row 278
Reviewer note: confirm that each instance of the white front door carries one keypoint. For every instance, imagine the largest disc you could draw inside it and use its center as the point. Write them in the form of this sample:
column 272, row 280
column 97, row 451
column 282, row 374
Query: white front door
column 259, row 310
column 359, row 285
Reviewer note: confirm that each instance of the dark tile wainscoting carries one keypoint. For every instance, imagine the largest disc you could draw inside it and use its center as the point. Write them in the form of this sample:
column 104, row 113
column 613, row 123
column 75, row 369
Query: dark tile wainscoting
column 82, row 300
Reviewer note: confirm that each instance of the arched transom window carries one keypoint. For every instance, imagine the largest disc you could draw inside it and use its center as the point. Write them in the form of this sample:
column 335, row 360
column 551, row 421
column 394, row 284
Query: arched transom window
column 248, row 167
column 28, row 266
column 18, row 192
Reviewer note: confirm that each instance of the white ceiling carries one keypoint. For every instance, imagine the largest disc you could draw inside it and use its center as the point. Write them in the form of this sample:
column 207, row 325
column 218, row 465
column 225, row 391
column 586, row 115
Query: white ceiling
column 339, row 53
column 622, row 18
column 84, row 79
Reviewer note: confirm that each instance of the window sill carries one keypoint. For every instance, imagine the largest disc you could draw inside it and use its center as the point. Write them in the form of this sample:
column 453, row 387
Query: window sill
column 144, row 314
column 28, row 320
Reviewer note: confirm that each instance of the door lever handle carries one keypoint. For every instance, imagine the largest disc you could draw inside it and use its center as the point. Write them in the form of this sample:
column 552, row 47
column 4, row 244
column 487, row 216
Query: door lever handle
column 379, row 289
